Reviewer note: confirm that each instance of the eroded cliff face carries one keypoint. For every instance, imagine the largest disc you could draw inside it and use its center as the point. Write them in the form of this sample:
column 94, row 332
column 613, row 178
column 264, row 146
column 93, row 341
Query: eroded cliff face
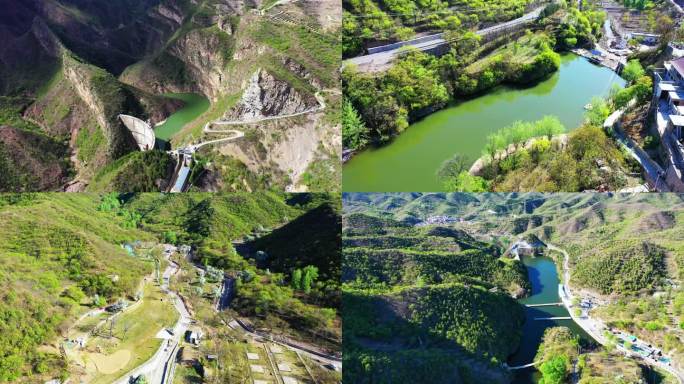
column 194, row 62
column 266, row 96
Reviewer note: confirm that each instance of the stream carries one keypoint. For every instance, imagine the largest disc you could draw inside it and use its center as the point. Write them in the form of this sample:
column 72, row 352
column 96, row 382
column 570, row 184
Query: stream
column 411, row 160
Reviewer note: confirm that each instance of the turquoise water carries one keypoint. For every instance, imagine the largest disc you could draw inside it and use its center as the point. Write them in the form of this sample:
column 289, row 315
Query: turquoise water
column 410, row 162
column 544, row 279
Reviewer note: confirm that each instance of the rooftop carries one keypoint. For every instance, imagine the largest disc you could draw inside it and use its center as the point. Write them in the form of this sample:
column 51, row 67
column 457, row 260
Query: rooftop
column 676, row 95
column 679, row 65
column 677, row 120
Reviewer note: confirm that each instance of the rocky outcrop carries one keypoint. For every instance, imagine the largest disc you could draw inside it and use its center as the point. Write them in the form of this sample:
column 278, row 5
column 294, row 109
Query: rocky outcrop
column 266, row 96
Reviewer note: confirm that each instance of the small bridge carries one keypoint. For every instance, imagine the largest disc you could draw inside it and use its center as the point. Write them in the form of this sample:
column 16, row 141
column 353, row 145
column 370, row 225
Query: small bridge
column 544, row 305
column 554, row 318
column 524, row 366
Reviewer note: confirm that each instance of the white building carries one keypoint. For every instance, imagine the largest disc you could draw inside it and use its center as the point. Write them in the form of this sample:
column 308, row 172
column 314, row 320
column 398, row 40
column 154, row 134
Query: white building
column 669, row 96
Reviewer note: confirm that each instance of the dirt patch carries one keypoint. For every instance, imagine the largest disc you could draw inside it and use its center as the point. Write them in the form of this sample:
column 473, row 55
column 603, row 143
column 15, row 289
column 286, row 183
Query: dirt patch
column 636, row 124
column 656, row 221
column 108, row 364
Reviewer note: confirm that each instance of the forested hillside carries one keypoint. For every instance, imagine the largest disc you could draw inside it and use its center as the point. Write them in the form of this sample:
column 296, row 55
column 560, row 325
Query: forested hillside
column 63, row 255
column 59, row 256
column 422, row 300
column 625, row 254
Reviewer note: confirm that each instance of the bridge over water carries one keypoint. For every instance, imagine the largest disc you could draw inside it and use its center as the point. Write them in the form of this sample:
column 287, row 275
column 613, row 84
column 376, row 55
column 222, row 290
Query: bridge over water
column 545, row 305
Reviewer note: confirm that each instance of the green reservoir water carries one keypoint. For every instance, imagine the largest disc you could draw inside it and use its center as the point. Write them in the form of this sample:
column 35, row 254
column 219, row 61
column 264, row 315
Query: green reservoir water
column 411, row 161
column 544, row 279
column 194, row 106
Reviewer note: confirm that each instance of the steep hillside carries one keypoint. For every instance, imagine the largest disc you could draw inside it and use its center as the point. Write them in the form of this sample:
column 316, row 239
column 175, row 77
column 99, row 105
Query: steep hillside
column 442, row 334
column 299, row 243
column 72, row 66
column 427, row 302
column 58, row 254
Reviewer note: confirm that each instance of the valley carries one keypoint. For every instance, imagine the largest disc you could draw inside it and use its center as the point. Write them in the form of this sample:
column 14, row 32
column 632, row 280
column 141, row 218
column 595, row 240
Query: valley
column 178, row 66
column 542, row 259
column 191, row 288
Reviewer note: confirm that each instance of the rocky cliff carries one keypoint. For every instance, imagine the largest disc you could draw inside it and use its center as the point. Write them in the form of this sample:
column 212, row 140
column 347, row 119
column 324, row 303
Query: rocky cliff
column 81, row 63
column 266, row 96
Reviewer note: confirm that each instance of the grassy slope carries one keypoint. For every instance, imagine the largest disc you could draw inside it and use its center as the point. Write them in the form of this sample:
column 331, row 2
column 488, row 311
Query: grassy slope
column 42, row 238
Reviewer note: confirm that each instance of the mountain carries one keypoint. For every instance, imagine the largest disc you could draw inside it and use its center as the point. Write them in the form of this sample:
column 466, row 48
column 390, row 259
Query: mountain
column 311, row 239
column 66, row 257
column 68, row 68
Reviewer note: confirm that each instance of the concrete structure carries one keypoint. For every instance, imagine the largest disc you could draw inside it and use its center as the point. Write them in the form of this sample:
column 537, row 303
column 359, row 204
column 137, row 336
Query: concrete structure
column 142, row 132
column 645, row 38
column 668, row 100
column 194, row 336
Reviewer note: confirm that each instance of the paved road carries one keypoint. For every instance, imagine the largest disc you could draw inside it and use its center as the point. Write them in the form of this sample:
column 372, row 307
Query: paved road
column 186, row 153
column 381, row 60
column 595, row 328
column 154, row 368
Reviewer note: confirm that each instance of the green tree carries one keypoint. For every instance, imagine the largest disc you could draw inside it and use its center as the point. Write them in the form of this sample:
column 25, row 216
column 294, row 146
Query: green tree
column 465, row 182
column 632, row 71
column 309, row 276
column 451, row 168
column 598, row 112
column 296, row 279
column 554, row 370
column 354, row 131
column 74, row 293
column 170, row 237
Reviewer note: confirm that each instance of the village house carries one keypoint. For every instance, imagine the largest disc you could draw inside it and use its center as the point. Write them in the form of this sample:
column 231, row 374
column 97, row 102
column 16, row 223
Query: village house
column 669, row 96
column 668, row 100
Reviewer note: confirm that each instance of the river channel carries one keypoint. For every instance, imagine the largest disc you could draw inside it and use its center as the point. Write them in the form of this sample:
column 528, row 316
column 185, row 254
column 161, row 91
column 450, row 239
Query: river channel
column 410, row 162
column 544, row 278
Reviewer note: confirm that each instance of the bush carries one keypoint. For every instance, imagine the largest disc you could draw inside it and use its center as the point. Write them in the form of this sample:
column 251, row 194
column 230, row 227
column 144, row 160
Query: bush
column 465, row 182
column 651, row 142
column 633, row 71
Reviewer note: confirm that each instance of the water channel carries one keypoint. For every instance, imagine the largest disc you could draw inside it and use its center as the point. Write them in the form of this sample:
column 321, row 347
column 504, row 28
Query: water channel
column 411, row 161
column 544, row 279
